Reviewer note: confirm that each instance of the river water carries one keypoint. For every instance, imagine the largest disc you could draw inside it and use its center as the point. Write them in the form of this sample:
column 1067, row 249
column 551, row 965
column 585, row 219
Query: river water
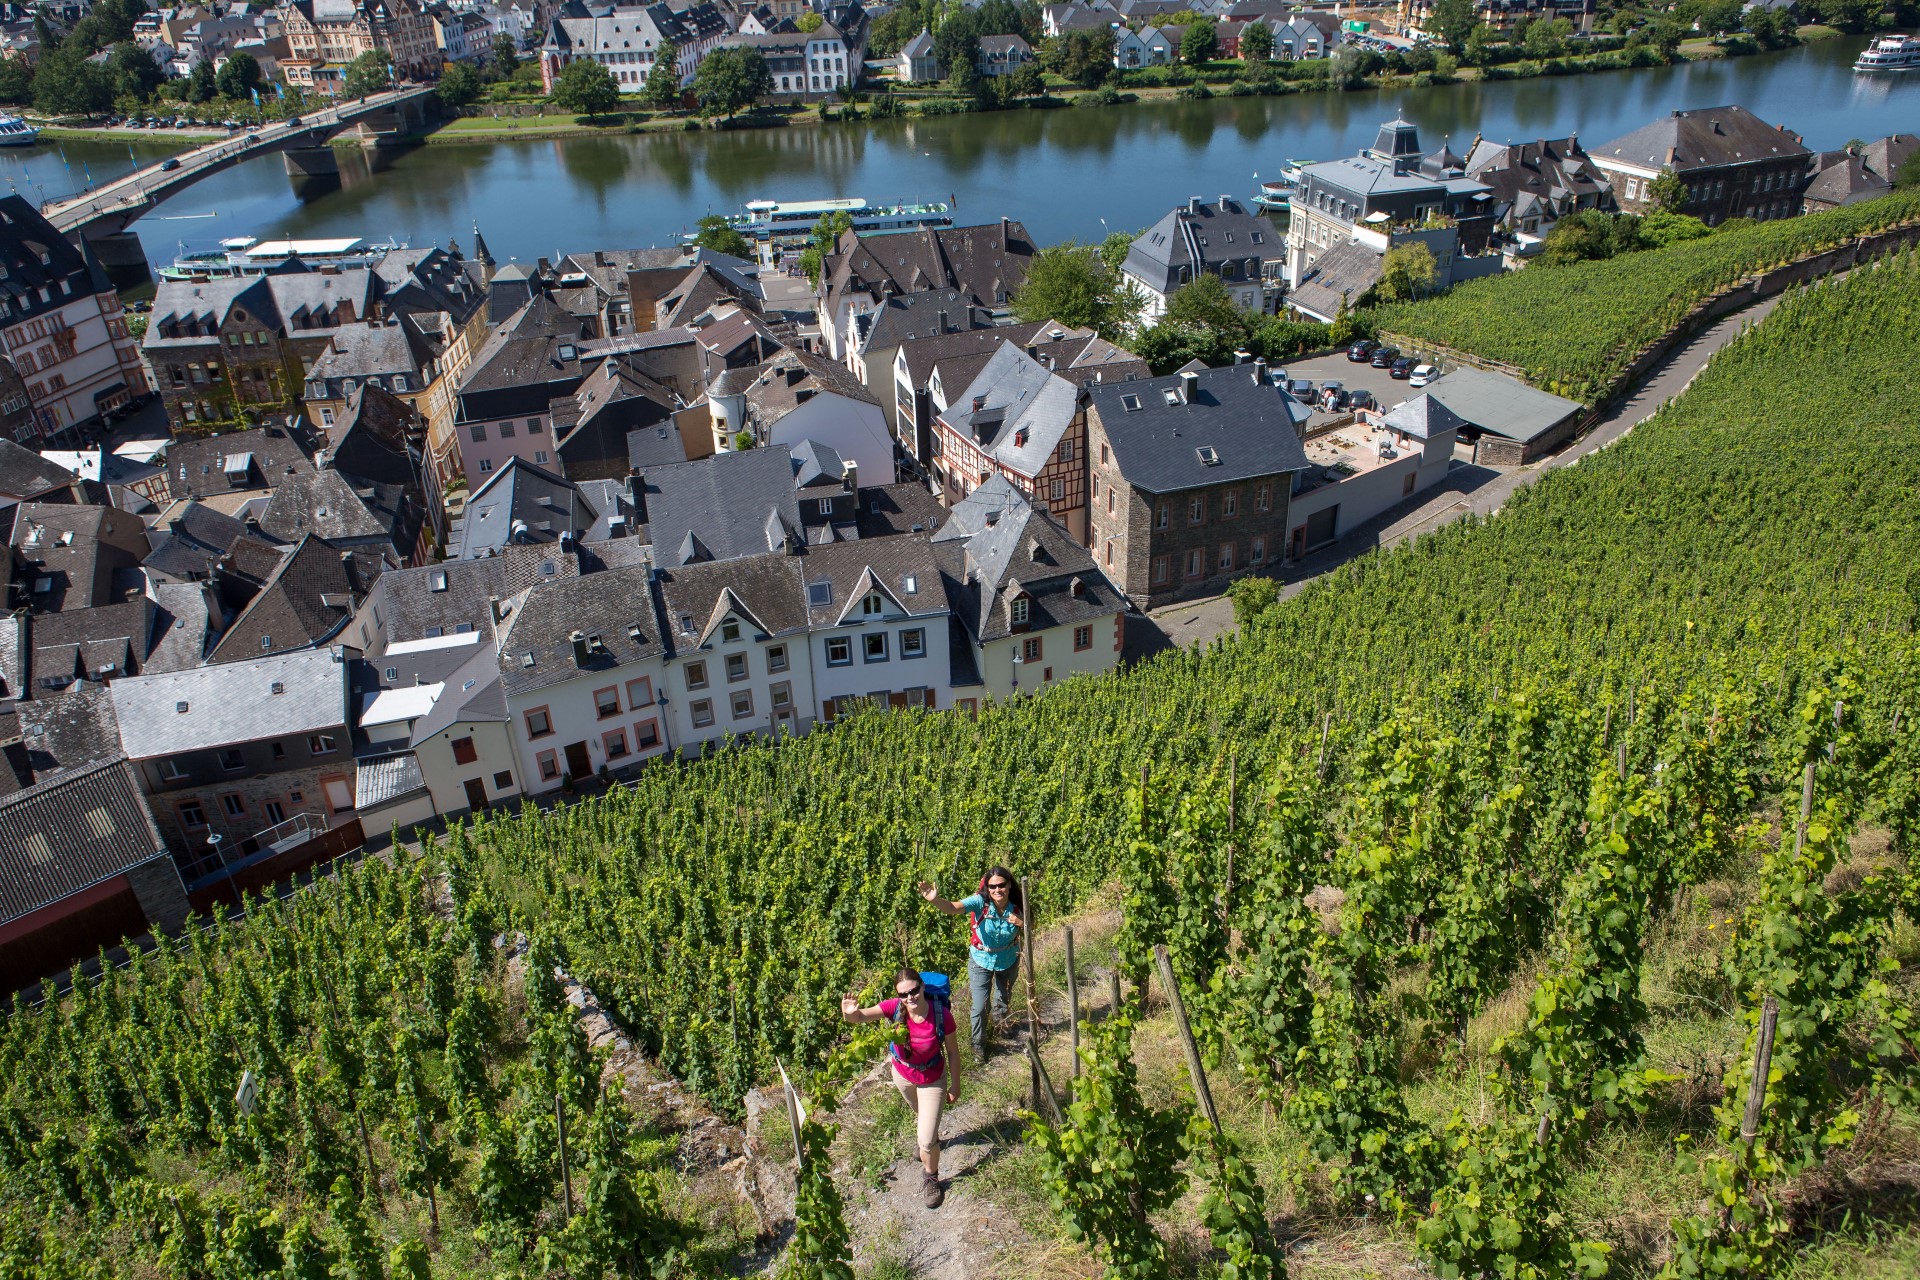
column 1066, row 173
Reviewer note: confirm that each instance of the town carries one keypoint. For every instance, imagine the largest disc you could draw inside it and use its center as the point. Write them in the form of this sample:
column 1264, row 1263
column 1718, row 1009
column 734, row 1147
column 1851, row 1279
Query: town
column 486, row 723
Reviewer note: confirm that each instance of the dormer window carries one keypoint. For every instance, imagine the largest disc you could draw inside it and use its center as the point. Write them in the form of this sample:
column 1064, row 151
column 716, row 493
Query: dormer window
column 1022, row 610
column 873, row 604
column 730, row 629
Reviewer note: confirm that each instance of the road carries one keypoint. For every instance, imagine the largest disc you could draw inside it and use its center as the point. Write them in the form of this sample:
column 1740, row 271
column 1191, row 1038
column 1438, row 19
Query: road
column 1468, row 489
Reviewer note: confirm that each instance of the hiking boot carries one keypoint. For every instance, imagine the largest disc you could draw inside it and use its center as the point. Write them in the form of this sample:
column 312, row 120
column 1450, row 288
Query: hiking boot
column 981, row 1055
column 931, row 1190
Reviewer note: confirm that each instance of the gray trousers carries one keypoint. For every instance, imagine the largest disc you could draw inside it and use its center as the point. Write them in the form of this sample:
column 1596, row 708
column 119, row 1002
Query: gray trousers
column 979, row 983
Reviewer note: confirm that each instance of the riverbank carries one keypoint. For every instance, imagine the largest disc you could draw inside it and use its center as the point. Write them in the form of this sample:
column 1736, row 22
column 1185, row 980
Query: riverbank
column 172, row 139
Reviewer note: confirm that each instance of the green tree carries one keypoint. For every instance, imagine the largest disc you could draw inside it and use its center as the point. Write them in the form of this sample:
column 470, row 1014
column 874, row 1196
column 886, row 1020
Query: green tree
column 1590, row 234
column 1114, row 249
column 1071, row 284
column 135, row 73
column 721, row 236
column 826, row 234
column 1908, row 174
column 731, row 80
column 1256, row 42
column 459, row 85
column 1084, row 57
column 1453, row 21
column 368, row 74
column 808, row 22
column 239, row 78
column 16, row 81
column 1197, row 45
column 202, row 84
column 505, row 57
column 662, row 91
column 1661, row 228
column 1407, row 272
column 1669, row 192
column 65, row 83
column 1025, row 81
column 1252, row 596
column 1547, row 39
column 1479, row 46
column 586, row 87
column 1204, row 303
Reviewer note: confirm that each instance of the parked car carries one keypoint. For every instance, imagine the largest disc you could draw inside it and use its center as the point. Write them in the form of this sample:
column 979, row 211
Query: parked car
column 170, row 163
column 1333, row 395
column 1361, row 398
column 1422, row 375
column 1301, row 389
column 1401, row 367
column 1362, row 350
column 1383, row 357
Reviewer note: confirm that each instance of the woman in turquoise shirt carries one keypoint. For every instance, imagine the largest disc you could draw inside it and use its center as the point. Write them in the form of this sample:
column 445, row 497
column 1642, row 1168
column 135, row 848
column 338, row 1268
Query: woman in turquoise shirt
column 993, row 944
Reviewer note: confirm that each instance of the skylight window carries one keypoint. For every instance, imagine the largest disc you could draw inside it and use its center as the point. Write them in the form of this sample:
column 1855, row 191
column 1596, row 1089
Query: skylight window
column 1173, row 397
column 819, row 594
column 1209, row 455
column 1130, row 403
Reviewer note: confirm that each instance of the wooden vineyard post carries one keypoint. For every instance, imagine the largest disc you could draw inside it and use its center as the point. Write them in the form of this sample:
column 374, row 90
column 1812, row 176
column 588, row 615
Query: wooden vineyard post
column 1806, row 810
column 1113, row 994
column 1033, row 1003
column 1757, row 1083
column 1073, row 1009
column 1194, row 1066
column 1233, row 797
column 1043, row 1087
column 566, row 1174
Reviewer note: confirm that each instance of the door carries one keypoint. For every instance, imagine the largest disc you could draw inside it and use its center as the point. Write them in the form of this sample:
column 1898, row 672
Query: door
column 339, row 794
column 1320, row 526
column 476, row 794
column 577, row 763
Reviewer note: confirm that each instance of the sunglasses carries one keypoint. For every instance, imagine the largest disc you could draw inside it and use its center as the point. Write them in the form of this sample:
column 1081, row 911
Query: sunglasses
column 1001, row 885
column 908, row 995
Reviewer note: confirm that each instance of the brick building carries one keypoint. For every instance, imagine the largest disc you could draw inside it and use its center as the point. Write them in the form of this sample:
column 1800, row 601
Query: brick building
column 1191, row 479
column 1735, row 165
column 1020, row 420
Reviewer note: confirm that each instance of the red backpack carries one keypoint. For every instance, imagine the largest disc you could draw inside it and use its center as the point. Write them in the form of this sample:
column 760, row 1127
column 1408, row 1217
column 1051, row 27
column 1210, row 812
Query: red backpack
column 975, row 917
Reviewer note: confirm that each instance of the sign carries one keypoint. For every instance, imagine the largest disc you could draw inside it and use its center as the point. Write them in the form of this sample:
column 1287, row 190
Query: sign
column 247, row 1094
column 796, row 1111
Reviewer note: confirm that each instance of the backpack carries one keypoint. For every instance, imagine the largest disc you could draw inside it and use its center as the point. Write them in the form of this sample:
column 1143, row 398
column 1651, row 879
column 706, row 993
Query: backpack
column 975, row 917
column 939, row 1002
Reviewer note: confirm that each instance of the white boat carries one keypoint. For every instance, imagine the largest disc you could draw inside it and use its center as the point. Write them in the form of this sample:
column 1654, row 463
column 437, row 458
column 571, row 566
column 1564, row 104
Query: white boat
column 248, row 256
column 15, row 132
column 1890, row 53
column 788, row 224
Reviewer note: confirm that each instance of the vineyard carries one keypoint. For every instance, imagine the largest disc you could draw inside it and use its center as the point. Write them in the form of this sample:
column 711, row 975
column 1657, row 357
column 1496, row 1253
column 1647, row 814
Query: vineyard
column 1496, row 758
column 1576, row 328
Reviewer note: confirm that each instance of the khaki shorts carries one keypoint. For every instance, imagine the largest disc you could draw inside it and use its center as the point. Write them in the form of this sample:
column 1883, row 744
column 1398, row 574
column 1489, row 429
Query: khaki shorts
column 926, row 1101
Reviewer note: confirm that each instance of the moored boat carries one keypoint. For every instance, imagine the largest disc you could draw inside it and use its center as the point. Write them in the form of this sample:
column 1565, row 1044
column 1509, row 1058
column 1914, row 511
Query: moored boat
column 1890, row 53
column 248, row 256
column 15, row 132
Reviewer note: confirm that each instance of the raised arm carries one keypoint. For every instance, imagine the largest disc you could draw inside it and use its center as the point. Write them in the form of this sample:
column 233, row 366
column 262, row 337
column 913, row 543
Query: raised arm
column 932, row 895
column 850, row 1010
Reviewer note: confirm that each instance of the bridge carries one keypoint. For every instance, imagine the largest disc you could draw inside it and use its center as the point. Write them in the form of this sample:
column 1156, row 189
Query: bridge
column 107, row 211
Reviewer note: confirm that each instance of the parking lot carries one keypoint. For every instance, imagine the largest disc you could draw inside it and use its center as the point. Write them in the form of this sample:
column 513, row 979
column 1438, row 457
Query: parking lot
column 1388, row 391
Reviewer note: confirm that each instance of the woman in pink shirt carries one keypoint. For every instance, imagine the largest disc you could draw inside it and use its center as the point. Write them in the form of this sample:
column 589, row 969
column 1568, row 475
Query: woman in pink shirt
column 926, row 1069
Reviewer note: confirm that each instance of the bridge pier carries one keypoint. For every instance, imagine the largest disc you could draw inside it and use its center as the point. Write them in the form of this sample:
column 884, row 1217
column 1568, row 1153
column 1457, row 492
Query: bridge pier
column 122, row 256
column 311, row 162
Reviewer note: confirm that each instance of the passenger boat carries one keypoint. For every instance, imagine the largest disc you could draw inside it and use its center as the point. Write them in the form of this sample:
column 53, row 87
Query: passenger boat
column 788, row 224
column 1890, row 53
column 1274, row 197
column 15, row 132
column 248, row 256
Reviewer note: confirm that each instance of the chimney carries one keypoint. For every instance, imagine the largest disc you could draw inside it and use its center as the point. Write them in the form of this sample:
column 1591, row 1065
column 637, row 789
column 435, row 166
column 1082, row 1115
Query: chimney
column 1193, row 204
column 1260, row 372
column 979, row 403
column 852, row 481
column 943, row 322
column 637, row 493
column 1223, row 203
column 1189, row 386
column 1672, row 152
column 579, row 648
column 1242, row 356
column 493, row 609
column 566, row 541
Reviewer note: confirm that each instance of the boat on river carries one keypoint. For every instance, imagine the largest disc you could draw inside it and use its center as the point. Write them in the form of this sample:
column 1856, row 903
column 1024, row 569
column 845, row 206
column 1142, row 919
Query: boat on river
column 1890, row 53
column 15, row 132
column 248, row 256
column 1274, row 196
column 788, row 224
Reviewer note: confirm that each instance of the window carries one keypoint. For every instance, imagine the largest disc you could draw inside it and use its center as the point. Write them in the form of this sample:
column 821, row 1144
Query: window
column 1196, row 510
column 275, row 811
column 1159, row 570
column 913, row 644
column 539, row 723
column 606, row 702
column 639, row 693
column 696, row 675
column 1226, row 557
column 646, row 735
column 464, row 752
column 320, row 744
column 1030, row 649
column 839, row 651
column 1163, row 518
column 1022, row 610
column 873, row 646
column 1406, row 485
column 742, row 702
column 702, row 709
column 170, row 771
column 503, row 780
column 1082, row 639
column 1263, row 498
column 549, row 764
column 1197, row 563
column 777, row 658
column 478, row 432
column 540, row 456
column 326, row 416
column 1059, row 490
column 615, row 742
column 233, row 805
column 506, row 431
column 782, row 695
column 873, row 605
column 730, row 629
column 1259, row 552
column 1106, row 454
column 232, row 760
column 1230, row 504
column 486, row 465
column 191, row 814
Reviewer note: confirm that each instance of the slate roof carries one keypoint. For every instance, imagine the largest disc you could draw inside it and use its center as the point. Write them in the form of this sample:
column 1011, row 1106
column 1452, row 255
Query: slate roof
column 1251, row 427
column 767, row 589
column 70, row 832
column 536, row 649
column 231, row 703
column 1546, row 178
column 1025, row 410
column 919, row 46
column 1422, row 417
column 24, row 474
column 192, row 541
column 658, row 445
column 181, row 617
column 791, row 378
column 525, row 356
column 1343, row 273
column 25, row 239
column 521, row 493
column 370, row 442
column 903, row 569
column 304, row 603
column 294, row 303
column 71, row 730
column 84, row 554
column 235, row 462
column 99, row 643
column 889, row 509
column 987, row 262
column 705, row 288
column 1704, row 138
column 1198, row 236
column 1848, row 177
column 1501, row 405
column 719, row 507
column 919, row 315
column 996, row 546
column 389, row 778
column 922, row 354
column 591, row 427
column 436, row 600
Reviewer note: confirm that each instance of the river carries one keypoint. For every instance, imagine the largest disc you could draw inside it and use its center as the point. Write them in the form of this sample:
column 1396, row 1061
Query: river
column 1066, row 173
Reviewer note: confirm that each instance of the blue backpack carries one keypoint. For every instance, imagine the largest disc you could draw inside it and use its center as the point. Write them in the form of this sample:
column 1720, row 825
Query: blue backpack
column 939, row 1001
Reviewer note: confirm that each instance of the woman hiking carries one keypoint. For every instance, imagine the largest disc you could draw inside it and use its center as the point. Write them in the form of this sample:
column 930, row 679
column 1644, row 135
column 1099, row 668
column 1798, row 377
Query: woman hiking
column 993, row 944
column 925, row 1068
